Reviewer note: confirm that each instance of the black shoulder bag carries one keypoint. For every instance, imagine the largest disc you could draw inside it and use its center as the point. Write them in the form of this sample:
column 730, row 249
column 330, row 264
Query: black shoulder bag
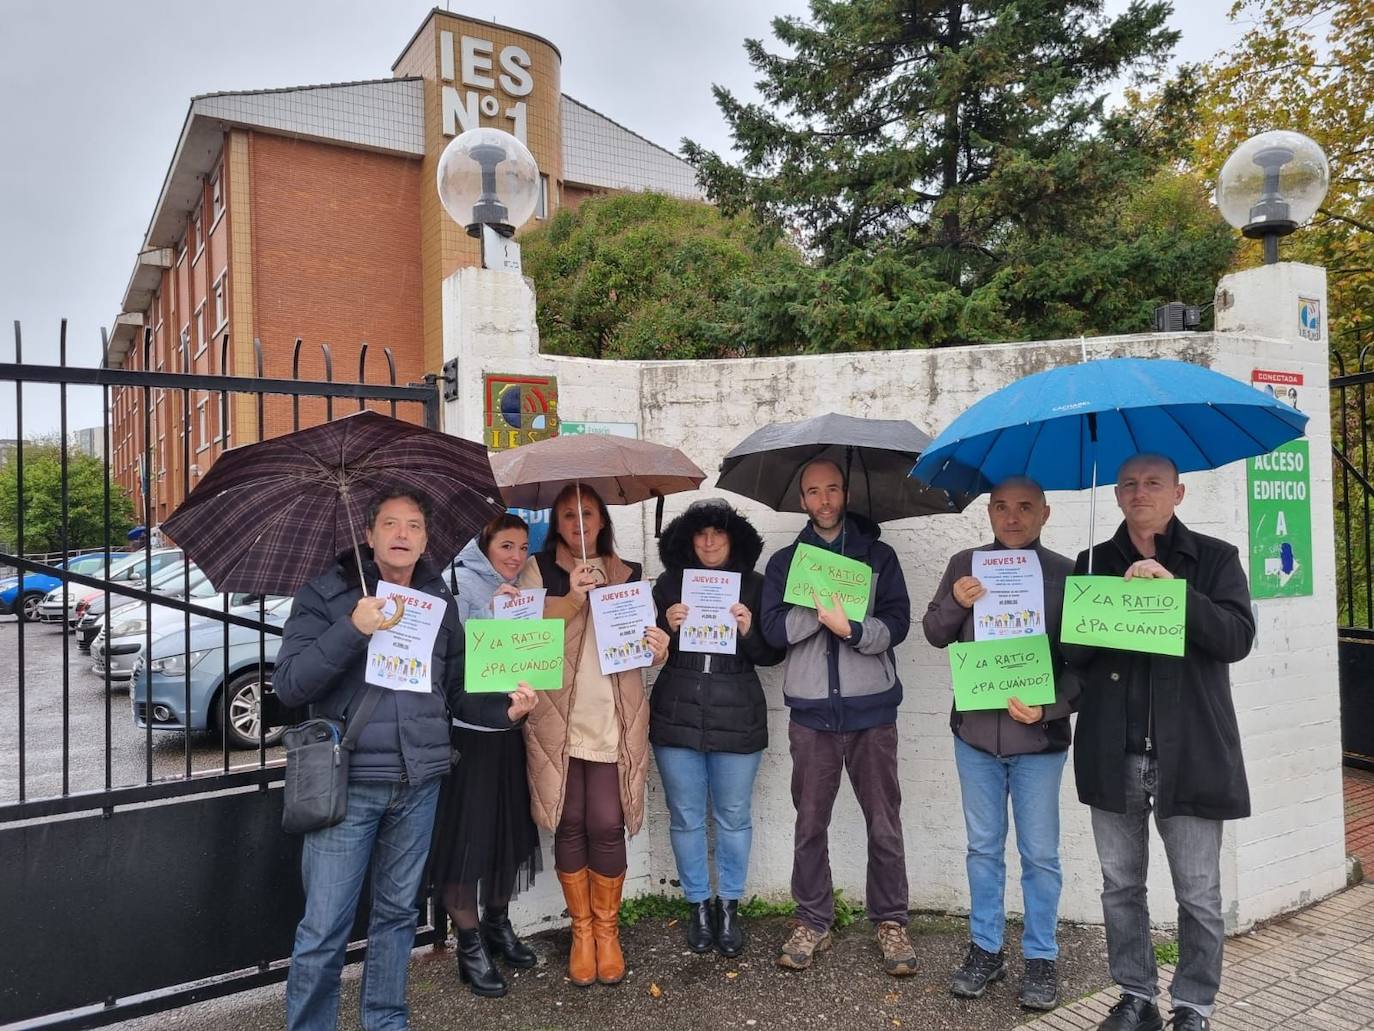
column 317, row 758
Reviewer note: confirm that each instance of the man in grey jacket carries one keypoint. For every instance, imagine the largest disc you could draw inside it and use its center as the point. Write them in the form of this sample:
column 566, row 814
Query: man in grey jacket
column 1018, row 752
column 842, row 688
column 402, row 753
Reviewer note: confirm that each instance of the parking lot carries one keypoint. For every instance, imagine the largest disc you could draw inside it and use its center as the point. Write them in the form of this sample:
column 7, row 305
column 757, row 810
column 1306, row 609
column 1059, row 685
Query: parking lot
column 132, row 761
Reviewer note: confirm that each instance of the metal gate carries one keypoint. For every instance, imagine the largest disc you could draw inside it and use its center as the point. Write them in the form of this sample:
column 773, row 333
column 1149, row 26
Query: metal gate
column 1353, row 486
column 143, row 869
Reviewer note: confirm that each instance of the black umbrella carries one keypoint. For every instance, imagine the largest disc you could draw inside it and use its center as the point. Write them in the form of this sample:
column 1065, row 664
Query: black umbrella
column 876, row 455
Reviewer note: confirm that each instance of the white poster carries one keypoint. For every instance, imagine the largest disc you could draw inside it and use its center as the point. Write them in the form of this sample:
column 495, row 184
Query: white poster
column 528, row 604
column 1014, row 605
column 399, row 655
column 708, row 595
column 621, row 613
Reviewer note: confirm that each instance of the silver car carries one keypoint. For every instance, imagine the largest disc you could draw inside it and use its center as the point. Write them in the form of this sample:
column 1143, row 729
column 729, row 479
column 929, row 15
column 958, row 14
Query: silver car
column 161, row 689
column 129, row 623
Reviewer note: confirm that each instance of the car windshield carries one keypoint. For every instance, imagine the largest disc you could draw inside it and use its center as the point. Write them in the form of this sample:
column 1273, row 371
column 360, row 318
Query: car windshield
column 173, row 576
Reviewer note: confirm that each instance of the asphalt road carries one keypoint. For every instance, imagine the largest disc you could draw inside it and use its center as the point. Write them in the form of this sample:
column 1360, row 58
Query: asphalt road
column 132, row 760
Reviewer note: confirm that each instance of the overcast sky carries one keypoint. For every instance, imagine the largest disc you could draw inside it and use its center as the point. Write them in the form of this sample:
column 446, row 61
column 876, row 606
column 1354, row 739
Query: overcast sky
column 93, row 94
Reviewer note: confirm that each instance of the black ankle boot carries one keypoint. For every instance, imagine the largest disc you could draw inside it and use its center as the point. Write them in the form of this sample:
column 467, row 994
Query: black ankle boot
column 502, row 942
column 475, row 968
column 729, row 929
column 701, row 932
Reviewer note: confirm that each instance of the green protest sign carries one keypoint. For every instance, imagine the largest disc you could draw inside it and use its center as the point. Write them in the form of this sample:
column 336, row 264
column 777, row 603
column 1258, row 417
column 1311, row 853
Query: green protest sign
column 1133, row 615
column 502, row 652
column 987, row 673
column 817, row 571
column 1279, row 488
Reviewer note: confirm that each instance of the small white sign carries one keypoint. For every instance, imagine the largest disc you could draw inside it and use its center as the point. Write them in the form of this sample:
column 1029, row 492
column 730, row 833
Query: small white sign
column 400, row 656
column 621, row 615
column 1015, row 603
column 500, row 253
column 708, row 595
column 528, row 604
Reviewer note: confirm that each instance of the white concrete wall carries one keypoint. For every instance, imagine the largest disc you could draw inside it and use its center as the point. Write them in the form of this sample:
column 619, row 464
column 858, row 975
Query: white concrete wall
column 1292, row 850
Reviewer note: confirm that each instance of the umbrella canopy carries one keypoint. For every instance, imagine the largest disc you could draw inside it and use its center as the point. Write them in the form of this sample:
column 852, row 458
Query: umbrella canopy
column 621, row 469
column 1072, row 427
column 877, row 455
column 273, row 515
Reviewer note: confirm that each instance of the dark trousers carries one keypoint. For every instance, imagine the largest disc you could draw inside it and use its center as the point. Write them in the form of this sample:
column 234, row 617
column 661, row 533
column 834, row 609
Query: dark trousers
column 591, row 832
column 870, row 757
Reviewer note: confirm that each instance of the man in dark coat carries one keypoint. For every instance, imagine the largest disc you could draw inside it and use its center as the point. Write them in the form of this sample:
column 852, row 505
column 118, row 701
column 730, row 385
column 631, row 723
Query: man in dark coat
column 393, row 783
column 842, row 688
column 1159, row 733
column 1014, row 754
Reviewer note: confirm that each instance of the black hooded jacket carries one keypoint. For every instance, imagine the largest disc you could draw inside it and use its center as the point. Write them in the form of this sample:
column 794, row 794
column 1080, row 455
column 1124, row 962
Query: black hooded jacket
column 712, row 703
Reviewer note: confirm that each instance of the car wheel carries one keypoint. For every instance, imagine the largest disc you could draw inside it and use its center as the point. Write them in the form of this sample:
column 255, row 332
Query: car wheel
column 28, row 608
column 245, row 712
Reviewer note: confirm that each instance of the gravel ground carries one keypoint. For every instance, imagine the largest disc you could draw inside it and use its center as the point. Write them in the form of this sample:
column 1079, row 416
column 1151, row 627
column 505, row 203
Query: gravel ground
column 671, row 989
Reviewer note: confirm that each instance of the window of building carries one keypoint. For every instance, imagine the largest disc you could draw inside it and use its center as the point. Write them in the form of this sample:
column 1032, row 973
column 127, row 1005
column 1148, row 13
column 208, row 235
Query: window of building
column 185, row 343
column 202, row 424
column 216, row 198
column 541, row 206
column 221, row 305
column 201, row 335
column 197, row 234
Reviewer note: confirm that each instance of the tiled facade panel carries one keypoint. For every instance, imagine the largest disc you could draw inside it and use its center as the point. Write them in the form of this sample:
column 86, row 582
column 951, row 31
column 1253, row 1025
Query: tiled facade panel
column 378, row 115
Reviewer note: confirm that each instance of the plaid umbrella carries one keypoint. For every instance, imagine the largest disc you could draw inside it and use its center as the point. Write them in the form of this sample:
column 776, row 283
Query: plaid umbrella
column 273, row 515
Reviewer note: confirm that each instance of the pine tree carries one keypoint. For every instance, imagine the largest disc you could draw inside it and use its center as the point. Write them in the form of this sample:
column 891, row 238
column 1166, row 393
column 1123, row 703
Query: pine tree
column 949, row 133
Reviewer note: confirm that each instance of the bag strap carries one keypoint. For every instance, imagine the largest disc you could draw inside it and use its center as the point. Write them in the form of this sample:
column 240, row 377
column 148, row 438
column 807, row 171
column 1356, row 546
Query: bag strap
column 358, row 719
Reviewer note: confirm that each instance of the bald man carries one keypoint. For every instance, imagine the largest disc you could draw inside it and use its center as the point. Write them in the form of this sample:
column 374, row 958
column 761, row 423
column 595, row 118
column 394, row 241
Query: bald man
column 1159, row 733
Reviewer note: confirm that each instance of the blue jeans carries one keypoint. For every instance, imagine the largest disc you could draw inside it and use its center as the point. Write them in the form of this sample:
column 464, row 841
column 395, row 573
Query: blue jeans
column 1032, row 782
column 389, row 824
column 729, row 776
column 1193, row 848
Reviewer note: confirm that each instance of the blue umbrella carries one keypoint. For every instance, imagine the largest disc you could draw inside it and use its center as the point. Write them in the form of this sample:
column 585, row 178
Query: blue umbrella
column 1071, row 428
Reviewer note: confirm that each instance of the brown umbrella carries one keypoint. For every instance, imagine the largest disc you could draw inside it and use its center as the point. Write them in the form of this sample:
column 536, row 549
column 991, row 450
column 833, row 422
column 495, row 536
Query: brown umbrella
column 622, row 470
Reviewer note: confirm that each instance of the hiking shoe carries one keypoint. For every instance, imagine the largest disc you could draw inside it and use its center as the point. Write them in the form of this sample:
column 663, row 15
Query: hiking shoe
column 798, row 951
column 1132, row 1013
column 979, row 969
column 1039, row 985
column 1185, row 1018
column 899, row 958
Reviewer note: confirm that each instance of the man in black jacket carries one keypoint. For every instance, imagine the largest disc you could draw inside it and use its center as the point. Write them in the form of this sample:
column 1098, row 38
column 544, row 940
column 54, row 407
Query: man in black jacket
column 1014, row 754
column 393, row 785
column 1158, row 732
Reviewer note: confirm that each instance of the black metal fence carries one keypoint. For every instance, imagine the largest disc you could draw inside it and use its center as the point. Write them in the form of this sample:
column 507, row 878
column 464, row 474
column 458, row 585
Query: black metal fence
column 143, row 862
column 1352, row 383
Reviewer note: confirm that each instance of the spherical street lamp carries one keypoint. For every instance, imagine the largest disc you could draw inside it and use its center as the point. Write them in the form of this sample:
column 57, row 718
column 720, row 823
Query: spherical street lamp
column 1271, row 184
column 488, row 177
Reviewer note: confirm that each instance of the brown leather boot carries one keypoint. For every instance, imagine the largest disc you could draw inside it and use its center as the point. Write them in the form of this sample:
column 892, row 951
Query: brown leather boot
column 582, row 956
column 610, row 961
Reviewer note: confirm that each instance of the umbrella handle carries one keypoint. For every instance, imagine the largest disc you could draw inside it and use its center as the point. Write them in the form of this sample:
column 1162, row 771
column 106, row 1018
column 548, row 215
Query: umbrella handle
column 1092, row 496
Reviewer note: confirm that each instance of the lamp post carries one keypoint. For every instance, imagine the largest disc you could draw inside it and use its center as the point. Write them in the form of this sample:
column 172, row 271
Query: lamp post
column 487, row 177
column 1271, row 184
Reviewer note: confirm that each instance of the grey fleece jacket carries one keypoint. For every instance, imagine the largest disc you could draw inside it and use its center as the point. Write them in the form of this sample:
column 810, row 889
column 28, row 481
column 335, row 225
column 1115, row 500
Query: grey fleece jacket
column 993, row 730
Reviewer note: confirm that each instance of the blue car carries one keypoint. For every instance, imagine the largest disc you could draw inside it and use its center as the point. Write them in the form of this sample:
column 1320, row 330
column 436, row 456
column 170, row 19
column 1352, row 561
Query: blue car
column 159, row 686
column 23, row 599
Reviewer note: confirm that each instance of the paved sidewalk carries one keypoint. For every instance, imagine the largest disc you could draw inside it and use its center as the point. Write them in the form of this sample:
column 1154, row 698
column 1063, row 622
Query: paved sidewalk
column 1313, row 971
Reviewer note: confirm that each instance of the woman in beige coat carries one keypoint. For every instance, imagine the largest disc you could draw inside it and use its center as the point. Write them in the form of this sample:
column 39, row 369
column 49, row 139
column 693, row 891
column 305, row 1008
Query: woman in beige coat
column 588, row 744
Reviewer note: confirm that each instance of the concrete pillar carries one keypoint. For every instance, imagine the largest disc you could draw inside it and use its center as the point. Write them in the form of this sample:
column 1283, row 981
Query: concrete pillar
column 1286, row 301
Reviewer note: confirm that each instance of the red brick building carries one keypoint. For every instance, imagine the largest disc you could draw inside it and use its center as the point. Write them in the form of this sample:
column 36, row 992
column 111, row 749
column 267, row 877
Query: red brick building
column 311, row 213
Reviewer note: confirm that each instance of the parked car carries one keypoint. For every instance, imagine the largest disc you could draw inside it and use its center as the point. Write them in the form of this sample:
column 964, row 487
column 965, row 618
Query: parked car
column 159, row 687
column 129, row 623
column 133, row 573
column 59, row 604
column 25, row 599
